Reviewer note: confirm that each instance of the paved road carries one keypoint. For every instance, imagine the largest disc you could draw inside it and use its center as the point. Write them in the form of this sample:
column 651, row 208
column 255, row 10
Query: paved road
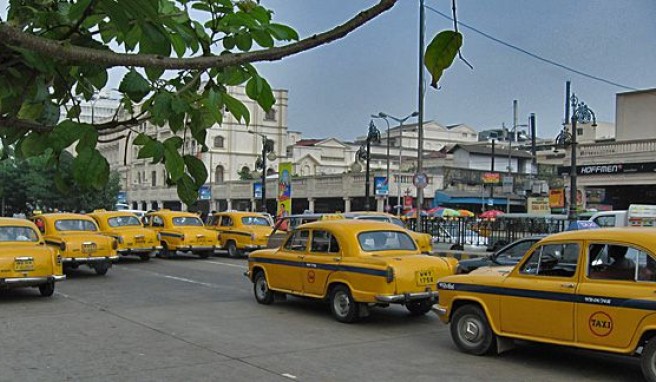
column 189, row 319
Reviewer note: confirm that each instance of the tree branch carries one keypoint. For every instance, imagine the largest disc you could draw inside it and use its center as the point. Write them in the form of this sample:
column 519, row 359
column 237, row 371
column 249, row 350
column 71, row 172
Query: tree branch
column 11, row 36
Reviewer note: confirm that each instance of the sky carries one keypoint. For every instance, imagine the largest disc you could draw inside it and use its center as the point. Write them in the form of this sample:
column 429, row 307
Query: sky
column 334, row 89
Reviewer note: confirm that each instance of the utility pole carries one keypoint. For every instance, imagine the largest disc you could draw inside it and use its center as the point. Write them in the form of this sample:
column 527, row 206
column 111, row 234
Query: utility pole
column 512, row 137
column 420, row 148
column 492, row 169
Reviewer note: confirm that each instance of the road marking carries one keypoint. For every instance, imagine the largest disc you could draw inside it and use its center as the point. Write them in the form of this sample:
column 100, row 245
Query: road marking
column 190, row 281
column 289, row 376
column 226, row 264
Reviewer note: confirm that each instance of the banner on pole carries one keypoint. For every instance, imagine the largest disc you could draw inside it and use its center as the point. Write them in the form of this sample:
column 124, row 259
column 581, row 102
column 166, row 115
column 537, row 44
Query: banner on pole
column 284, row 189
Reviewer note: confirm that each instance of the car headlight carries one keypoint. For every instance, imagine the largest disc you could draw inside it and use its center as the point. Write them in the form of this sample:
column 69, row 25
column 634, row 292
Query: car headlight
column 119, row 239
column 389, row 275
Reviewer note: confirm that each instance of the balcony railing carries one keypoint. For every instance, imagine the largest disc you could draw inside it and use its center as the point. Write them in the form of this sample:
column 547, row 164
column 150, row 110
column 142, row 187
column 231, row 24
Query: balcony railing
column 622, row 148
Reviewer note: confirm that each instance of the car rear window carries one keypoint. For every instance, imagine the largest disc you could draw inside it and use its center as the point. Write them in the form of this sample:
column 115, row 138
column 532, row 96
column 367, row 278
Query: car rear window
column 18, row 233
column 254, row 220
column 75, row 225
column 372, row 241
column 123, row 221
column 187, row 221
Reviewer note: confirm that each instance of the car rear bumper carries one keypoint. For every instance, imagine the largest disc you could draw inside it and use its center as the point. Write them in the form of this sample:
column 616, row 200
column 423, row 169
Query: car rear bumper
column 132, row 251
column 30, row 281
column 196, row 248
column 84, row 260
column 253, row 247
column 407, row 297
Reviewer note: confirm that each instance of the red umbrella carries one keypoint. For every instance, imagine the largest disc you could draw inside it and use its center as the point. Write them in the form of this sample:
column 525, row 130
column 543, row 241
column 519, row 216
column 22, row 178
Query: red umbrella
column 490, row 214
column 434, row 210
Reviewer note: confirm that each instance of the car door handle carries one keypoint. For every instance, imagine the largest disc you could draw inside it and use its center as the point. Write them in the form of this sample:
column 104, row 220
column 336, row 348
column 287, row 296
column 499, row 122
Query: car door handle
column 568, row 285
column 300, row 257
column 337, row 258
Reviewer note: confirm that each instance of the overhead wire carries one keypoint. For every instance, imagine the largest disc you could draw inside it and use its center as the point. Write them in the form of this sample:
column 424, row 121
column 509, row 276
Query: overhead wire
column 537, row 57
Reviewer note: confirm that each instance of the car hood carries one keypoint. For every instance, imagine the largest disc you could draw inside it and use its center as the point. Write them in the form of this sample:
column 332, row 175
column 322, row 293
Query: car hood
column 493, row 270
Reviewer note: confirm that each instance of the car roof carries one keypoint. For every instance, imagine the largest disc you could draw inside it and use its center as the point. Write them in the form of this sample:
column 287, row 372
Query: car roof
column 15, row 222
column 240, row 213
column 64, row 215
column 346, row 226
column 638, row 235
column 177, row 213
column 112, row 213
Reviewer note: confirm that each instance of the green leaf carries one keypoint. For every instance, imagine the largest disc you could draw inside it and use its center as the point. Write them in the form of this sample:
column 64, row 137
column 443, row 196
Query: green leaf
column 262, row 38
column 141, row 139
column 187, row 190
column 88, row 138
column 174, row 143
column 90, row 168
column 178, row 44
column 236, row 108
column 197, row 169
column 282, row 32
column 74, row 111
column 266, row 99
column 173, row 162
column 134, row 86
column 229, row 42
column 244, row 41
column 441, row 52
column 152, row 149
column 161, row 107
column 33, row 145
column 60, row 183
column 64, row 135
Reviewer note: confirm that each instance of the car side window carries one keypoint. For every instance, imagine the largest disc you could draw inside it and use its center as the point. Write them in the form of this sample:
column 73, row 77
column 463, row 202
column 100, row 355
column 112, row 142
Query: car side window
column 324, row 242
column 605, row 221
column 617, row 262
column 555, row 260
column 226, row 221
column 158, row 221
column 517, row 251
column 41, row 225
column 298, row 241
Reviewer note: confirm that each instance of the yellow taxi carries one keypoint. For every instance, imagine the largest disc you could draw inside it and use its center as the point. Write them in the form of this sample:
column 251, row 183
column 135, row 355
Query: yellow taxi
column 355, row 265
column 78, row 240
column 591, row 289
column 424, row 240
column 182, row 231
column 25, row 260
column 241, row 232
column 129, row 232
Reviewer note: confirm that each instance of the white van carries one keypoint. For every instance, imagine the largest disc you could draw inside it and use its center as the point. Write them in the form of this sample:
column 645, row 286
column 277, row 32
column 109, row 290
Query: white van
column 638, row 215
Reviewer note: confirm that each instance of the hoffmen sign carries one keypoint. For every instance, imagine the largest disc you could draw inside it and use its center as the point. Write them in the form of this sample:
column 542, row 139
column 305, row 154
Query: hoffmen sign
column 611, row 168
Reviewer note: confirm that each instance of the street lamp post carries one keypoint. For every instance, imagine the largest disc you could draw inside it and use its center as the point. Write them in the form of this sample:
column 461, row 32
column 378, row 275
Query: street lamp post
column 400, row 121
column 267, row 152
column 364, row 153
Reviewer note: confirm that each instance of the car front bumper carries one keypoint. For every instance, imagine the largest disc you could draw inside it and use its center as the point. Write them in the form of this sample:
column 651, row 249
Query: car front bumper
column 30, row 281
column 440, row 310
column 407, row 297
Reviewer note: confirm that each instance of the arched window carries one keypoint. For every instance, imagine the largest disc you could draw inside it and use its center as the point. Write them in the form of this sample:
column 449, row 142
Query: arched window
column 218, row 142
column 271, row 171
column 270, row 115
column 218, row 174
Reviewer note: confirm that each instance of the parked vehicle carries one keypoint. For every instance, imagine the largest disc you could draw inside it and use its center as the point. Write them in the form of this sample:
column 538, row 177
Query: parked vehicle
column 424, row 240
column 508, row 255
column 78, row 240
column 353, row 264
column 241, row 232
column 591, row 289
column 129, row 232
column 182, row 231
column 638, row 215
column 25, row 260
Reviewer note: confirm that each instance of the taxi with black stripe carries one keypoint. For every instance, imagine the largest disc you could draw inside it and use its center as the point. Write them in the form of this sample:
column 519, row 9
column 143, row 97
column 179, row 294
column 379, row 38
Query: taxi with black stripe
column 241, row 232
column 424, row 240
column 133, row 239
column 78, row 240
column 182, row 231
column 355, row 265
column 590, row 289
column 25, row 260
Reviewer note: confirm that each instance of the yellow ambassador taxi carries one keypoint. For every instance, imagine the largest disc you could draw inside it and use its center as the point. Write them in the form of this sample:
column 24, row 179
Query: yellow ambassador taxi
column 353, row 264
column 182, row 231
column 592, row 289
column 129, row 232
column 25, row 260
column 424, row 240
column 240, row 231
column 78, row 240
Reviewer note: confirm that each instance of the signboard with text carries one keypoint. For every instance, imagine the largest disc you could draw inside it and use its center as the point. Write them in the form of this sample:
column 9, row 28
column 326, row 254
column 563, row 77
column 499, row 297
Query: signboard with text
column 557, row 198
column 490, row 178
column 538, row 205
column 284, row 189
column 381, row 186
column 257, row 190
column 205, row 192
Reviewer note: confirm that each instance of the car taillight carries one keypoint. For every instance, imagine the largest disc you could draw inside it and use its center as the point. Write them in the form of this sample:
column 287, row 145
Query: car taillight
column 252, row 235
column 62, row 246
column 389, row 274
column 159, row 237
column 58, row 260
column 182, row 237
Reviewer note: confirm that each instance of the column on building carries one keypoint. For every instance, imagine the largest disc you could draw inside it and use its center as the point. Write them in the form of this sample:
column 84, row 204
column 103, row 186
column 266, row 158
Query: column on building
column 311, row 204
column 347, row 204
column 160, row 204
column 380, row 204
column 253, row 205
column 229, row 204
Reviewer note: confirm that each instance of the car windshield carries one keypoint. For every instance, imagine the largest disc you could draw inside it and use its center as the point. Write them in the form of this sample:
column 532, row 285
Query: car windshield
column 75, row 225
column 255, row 220
column 372, row 241
column 123, row 221
column 187, row 221
column 18, row 233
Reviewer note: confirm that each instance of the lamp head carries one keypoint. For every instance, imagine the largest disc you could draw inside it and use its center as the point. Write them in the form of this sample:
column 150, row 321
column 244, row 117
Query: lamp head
column 356, row 167
column 382, row 115
column 414, row 114
column 272, row 156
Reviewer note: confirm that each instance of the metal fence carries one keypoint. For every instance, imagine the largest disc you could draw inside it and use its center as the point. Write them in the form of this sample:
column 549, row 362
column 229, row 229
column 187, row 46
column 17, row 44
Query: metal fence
column 484, row 234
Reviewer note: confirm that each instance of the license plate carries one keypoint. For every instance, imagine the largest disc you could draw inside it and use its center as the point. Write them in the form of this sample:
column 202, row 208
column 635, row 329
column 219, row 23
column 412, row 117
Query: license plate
column 139, row 239
column 24, row 264
column 425, row 277
column 89, row 247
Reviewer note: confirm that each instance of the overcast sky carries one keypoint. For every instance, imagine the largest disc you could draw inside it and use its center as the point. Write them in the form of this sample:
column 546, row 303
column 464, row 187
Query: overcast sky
column 334, row 89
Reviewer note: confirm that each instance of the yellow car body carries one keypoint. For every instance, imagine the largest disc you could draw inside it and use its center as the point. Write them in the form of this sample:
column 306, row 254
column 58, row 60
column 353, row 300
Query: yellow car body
column 129, row 232
column 424, row 240
column 25, row 260
column 591, row 289
column 78, row 240
column 353, row 264
column 241, row 232
column 182, row 231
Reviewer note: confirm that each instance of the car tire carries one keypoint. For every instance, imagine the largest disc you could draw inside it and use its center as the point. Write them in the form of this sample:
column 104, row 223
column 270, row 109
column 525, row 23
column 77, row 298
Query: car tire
column 342, row 305
column 263, row 294
column 648, row 361
column 471, row 331
column 144, row 256
column 205, row 254
column 101, row 268
column 47, row 289
column 164, row 252
column 233, row 252
column 419, row 308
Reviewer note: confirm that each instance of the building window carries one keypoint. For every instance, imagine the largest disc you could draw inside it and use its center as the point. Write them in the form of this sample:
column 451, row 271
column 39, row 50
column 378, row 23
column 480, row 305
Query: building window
column 218, row 142
column 153, row 178
column 579, row 131
column 218, row 174
column 270, row 115
column 270, row 171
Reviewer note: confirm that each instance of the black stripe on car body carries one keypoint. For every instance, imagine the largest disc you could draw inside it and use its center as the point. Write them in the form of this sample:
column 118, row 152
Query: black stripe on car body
column 330, row 267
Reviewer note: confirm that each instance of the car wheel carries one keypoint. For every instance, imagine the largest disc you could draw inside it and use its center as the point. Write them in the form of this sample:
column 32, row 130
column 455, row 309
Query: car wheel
column 419, row 308
column 263, row 294
column 648, row 361
column 47, row 289
column 232, row 249
column 144, row 256
column 164, row 252
column 205, row 254
column 471, row 331
column 344, row 308
column 101, row 268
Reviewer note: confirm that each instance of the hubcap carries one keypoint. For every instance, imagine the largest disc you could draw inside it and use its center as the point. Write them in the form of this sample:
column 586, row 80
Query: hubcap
column 341, row 304
column 470, row 330
column 261, row 288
